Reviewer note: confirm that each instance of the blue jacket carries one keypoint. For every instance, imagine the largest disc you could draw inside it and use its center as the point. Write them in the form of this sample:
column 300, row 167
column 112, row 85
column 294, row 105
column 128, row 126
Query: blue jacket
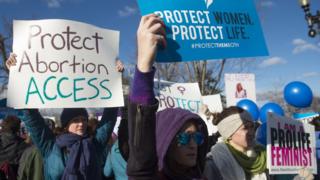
column 115, row 164
column 54, row 157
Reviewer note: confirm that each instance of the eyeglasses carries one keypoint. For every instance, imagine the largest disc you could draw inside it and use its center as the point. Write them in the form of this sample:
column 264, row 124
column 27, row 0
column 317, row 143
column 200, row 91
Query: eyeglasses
column 184, row 138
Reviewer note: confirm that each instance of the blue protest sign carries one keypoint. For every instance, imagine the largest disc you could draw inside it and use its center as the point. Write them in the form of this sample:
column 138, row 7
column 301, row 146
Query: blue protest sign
column 207, row 29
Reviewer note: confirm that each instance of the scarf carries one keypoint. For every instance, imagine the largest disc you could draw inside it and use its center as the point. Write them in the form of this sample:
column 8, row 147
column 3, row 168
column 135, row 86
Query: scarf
column 250, row 165
column 80, row 165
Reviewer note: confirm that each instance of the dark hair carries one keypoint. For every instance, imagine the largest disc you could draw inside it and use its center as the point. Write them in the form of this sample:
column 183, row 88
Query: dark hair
column 227, row 112
column 123, row 135
column 50, row 123
column 11, row 124
column 92, row 126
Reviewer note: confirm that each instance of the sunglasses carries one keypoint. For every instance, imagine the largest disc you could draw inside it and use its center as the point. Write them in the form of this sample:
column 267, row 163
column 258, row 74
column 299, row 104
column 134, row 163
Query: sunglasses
column 184, row 138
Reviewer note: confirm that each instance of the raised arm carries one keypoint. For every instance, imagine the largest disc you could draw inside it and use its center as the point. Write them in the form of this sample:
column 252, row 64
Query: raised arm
column 41, row 135
column 106, row 125
column 142, row 162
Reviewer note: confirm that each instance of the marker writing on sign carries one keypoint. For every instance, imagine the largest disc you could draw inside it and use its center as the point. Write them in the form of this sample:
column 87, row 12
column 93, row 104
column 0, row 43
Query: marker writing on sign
column 64, row 40
column 171, row 102
column 290, row 146
column 38, row 92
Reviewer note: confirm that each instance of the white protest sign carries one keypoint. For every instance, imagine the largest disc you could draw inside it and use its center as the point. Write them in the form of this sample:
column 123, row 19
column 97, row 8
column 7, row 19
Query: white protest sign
column 238, row 87
column 62, row 63
column 213, row 102
column 291, row 145
column 184, row 95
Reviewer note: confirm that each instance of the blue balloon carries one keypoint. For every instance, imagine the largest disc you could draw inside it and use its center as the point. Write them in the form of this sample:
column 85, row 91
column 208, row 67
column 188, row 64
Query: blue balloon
column 298, row 94
column 261, row 134
column 249, row 106
column 270, row 107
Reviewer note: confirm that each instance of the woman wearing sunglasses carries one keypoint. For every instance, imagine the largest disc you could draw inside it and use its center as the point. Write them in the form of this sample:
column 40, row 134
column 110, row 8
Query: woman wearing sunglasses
column 181, row 138
column 172, row 143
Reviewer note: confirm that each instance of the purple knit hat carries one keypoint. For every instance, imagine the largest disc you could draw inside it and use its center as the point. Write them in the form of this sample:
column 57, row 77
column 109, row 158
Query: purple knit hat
column 169, row 122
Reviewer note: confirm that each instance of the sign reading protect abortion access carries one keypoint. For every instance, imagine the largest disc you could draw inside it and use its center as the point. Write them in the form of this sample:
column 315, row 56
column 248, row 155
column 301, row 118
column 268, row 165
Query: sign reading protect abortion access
column 207, row 29
column 173, row 95
column 291, row 145
column 62, row 63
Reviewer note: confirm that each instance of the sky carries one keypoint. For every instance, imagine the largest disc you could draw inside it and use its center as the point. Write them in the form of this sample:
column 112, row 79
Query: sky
column 293, row 55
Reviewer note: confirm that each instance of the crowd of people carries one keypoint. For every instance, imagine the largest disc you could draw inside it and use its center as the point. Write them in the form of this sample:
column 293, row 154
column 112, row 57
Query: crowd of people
column 172, row 144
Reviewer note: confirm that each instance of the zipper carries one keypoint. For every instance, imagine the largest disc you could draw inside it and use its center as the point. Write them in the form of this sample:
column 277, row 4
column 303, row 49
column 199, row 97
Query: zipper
column 137, row 132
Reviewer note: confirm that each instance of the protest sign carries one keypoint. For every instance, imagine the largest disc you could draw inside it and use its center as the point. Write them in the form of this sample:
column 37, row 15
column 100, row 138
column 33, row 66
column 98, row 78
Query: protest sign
column 305, row 117
column 62, row 63
column 291, row 145
column 238, row 87
column 318, row 144
column 184, row 95
column 198, row 30
column 213, row 102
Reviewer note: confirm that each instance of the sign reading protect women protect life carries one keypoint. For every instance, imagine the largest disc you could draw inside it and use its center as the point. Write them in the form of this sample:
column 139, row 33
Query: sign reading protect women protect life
column 291, row 145
column 207, row 29
column 62, row 63
column 173, row 95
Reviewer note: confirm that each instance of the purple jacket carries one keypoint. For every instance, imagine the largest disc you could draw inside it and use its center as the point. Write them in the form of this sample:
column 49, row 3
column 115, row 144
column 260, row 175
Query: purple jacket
column 151, row 133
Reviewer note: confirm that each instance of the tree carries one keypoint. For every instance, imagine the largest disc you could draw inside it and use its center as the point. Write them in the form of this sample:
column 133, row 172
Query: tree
column 208, row 74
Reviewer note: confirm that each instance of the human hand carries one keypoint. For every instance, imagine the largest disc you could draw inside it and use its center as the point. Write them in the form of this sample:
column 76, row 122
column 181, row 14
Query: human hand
column 11, row 61
column 204, row 109
column 305, row 174
column 150, row 34
column 119, row 66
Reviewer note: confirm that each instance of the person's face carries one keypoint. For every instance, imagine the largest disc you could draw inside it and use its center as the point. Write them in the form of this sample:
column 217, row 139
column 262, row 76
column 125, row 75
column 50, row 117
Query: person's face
column 78, row 126
column 239, row 87
column 243, row 138
column 185, row 155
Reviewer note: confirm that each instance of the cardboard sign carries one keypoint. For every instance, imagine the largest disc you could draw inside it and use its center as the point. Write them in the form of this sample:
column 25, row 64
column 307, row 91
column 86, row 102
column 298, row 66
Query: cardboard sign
column 291, row 145
column 213, row 102
column 202, row 29
column 238, row 87
column 62, row 63
column 184, row 95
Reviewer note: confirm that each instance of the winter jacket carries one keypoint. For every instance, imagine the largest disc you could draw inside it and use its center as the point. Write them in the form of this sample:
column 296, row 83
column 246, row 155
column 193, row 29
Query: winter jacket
column 31, row 165
column 115, row 164
column 54, row 157
column 11, row 149
column 229, row 168
column 151, row 135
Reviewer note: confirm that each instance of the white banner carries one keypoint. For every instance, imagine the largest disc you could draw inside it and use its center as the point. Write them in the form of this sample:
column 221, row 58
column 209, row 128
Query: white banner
column 291, row 145
column 238, row 87
column 62, row 63
column 184, row 95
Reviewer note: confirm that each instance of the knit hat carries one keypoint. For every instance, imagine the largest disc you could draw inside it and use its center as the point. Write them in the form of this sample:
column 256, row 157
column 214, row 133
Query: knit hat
column 230, row 124
column 10, row 124
column 69, row 113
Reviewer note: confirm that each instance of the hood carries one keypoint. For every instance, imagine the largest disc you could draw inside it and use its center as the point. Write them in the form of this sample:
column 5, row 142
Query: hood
column 169, row 122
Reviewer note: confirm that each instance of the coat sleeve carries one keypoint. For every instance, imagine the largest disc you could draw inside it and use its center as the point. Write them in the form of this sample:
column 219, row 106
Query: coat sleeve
column 211, row 171
column 107, row 170
column 142, row 162
column 41, row 135
column 105, row 127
